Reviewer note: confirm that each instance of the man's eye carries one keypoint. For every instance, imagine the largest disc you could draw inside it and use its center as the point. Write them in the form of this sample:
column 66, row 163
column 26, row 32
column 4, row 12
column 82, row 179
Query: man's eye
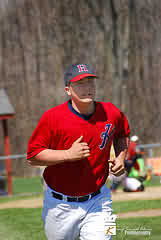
column 80, row 83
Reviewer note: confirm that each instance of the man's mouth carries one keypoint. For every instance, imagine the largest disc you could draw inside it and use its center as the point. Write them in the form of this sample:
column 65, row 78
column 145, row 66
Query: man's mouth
column 89, row 94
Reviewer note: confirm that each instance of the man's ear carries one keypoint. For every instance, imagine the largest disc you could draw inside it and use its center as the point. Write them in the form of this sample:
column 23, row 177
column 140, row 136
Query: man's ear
column 67, row 90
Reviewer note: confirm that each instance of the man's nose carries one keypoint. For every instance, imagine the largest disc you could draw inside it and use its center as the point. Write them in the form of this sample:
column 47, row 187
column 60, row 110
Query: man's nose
column 89, row 85
column 88, row 88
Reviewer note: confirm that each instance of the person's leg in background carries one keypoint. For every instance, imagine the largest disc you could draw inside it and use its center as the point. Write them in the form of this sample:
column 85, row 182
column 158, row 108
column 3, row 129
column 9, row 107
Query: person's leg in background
column 116, row 181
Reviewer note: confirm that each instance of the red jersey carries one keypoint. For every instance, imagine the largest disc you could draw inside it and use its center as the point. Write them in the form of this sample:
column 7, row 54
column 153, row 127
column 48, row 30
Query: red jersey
column 60, row 126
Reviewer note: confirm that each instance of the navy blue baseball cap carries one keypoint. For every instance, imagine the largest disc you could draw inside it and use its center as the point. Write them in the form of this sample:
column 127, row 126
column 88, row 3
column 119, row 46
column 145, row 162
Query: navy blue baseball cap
column 76, row 72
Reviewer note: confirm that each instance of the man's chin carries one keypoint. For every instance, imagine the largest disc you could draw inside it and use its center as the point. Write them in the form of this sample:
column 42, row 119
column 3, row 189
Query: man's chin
column 87, row 100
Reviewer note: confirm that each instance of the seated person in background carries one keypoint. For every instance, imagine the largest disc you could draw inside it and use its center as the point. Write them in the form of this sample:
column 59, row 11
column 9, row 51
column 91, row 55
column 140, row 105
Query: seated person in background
column 136, row 175
column 132, row 155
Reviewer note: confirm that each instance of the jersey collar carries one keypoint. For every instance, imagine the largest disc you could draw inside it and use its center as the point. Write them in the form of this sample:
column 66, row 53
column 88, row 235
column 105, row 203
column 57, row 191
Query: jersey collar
column 83, row 116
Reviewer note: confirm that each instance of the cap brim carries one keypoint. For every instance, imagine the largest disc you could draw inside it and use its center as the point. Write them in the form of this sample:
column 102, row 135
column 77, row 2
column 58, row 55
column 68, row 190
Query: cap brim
column 79, row 77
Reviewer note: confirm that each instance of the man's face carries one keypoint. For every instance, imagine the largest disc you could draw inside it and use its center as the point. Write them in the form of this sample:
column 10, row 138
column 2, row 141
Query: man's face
column 83, row 90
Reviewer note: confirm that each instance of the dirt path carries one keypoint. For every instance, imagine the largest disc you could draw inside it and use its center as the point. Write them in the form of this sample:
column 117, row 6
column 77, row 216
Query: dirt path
column 149, row 193
column 27, row 203
column 141, row 213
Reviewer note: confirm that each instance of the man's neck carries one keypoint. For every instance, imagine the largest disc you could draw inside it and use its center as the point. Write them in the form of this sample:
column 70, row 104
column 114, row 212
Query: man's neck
column 84, row 108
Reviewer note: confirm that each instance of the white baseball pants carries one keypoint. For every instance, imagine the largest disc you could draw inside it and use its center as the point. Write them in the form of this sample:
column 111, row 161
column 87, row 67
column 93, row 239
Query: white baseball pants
column 67, row 220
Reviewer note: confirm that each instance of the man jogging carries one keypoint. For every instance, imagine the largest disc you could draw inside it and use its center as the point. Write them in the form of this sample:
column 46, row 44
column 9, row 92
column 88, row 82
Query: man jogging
column 73, row 141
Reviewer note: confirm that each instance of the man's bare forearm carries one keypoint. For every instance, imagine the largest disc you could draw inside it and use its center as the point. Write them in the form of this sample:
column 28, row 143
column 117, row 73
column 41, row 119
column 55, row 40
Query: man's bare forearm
column 49, row 157
column 117, row 167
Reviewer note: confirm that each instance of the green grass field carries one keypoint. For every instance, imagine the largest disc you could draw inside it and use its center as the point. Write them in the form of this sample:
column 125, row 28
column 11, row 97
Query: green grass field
column 21, row 224
column 34, row 185
column 24, row 187
column 142, row 224
column 128, row 206
column 24, row 224
column 27, row 185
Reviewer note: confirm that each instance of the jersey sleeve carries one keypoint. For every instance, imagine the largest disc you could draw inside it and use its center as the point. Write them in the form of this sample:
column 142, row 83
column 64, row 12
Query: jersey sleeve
column 122, row 128
column 40, row 139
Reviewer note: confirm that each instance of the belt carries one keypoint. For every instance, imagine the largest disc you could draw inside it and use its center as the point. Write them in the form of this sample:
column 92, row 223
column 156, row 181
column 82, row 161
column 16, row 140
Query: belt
column 75, row 199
